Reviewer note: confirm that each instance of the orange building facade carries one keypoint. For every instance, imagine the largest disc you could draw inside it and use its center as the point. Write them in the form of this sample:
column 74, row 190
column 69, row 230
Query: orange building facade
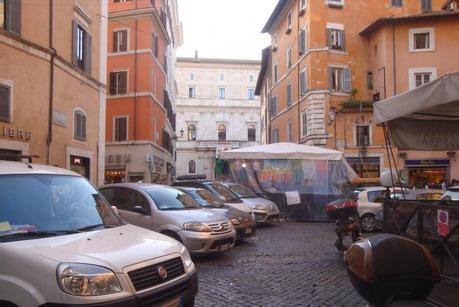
column 52, row 83
column 140, row 121
column 330, row 60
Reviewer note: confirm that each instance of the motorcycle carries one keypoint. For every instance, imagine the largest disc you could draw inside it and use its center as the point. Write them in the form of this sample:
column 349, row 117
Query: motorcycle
column 347, row 225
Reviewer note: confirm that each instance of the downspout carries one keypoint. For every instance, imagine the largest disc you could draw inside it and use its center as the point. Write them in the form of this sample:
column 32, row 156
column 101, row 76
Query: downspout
column 49, row 139
column 298, row 80
column 393, row 58
column 135, row 80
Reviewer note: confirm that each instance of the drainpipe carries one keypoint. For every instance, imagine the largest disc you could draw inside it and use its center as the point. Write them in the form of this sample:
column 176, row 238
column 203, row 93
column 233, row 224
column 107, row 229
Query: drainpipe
column 135, row 80
column 298, row 80
column 393, row 58
column 49, row 138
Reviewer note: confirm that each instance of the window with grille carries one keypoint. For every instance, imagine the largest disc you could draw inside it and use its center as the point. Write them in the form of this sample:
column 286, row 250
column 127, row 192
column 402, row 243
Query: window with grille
column 79, row 132
column 191, row 133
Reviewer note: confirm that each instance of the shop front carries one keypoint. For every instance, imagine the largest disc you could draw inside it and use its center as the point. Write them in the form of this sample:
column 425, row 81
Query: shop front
column 428, row 172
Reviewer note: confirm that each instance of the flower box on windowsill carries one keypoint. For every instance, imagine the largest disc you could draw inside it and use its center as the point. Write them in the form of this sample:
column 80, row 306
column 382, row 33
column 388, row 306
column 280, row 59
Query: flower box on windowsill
column 352, row 106
column 335, row 4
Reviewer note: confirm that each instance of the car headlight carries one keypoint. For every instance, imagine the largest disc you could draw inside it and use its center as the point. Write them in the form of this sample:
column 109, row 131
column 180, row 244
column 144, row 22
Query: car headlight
column 235, row 221
column 186, row 258
column 259, row 207
column 196, row 226
column 87, row 279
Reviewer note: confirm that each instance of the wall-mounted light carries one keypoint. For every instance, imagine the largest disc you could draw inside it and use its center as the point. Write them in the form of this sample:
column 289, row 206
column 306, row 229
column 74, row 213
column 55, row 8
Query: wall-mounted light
column 181, row 133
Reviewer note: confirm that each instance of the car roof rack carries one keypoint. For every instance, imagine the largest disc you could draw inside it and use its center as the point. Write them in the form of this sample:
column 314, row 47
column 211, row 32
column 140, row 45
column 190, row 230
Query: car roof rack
column 17, row 157
column 191, row 177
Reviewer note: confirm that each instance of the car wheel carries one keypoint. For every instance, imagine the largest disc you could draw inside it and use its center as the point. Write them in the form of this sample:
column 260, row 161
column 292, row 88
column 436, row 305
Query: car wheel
column 368, row 222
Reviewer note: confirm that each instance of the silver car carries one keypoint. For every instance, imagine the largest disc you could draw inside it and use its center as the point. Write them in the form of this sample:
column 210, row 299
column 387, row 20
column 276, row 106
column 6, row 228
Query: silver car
column 243, row 222
column 265, row 210
column 173, row 213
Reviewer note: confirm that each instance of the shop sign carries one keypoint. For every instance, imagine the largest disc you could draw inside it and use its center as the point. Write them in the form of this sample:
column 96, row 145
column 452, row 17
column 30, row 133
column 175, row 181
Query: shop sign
column 442, row 222
column 428, row 162
column 16, row 133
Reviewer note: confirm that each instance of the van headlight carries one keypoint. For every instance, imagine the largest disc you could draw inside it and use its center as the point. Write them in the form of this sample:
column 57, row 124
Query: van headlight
column 196, row 226
column 86, row 279
column 235, row 221
column 259, row 207
column 189, row 265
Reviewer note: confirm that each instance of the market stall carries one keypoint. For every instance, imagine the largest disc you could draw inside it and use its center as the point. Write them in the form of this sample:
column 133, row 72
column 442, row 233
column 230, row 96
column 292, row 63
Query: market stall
column 301, row 179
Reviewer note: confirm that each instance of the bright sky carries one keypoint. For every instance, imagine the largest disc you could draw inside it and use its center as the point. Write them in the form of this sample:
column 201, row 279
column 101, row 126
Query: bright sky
column 224, row 28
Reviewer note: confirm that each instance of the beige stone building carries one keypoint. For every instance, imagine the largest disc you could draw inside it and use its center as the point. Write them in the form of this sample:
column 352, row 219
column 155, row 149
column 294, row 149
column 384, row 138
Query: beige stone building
column 52, row 82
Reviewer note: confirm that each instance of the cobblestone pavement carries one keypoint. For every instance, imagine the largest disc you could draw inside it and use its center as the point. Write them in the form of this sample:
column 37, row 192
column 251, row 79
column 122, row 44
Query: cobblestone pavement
column 286, row 264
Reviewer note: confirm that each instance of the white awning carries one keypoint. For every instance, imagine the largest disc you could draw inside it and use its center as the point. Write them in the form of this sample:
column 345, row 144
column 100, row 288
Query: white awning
column 282, row 151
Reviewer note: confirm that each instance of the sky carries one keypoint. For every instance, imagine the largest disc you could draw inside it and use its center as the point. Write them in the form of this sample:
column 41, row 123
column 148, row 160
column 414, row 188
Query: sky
column 229, row 29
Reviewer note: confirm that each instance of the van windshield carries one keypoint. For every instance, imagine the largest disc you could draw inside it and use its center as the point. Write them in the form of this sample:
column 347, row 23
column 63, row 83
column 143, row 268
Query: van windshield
column 48, row 205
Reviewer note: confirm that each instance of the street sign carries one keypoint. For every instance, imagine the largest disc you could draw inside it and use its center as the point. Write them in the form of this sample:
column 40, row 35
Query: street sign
column 442, row 222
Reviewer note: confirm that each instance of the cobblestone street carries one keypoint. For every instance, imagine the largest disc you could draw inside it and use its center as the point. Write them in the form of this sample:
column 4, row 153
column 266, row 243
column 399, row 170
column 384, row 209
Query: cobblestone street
column 286, row 264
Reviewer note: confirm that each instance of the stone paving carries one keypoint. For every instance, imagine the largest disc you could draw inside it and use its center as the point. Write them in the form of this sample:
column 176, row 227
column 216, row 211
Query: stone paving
column 286, row 264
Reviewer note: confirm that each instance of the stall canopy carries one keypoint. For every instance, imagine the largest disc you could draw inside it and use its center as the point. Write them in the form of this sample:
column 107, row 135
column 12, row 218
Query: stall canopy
column 282, row 151
column 426, row 118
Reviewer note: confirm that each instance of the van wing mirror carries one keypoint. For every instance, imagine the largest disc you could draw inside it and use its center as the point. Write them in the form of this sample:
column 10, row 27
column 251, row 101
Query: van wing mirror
column 140, row 210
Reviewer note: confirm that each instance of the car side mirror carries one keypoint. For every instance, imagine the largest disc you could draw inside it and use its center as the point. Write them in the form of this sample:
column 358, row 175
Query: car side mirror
column 115, row 209
column 140, row 210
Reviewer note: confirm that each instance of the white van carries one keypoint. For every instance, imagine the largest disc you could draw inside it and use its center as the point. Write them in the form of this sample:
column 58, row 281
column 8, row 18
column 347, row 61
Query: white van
column 62, row 244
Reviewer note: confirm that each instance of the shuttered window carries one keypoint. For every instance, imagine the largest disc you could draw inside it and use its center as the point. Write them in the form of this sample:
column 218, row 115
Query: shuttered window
column 273, row 108
column 289, row 94
column 82, row 48
column 303, row 83
column 5, row 103
column 336, row 39
column 79, row 126
column 339, row 79
column 120, row 129
column 251, row 133
column 154, row 44
column 120, row 41
column 396, row 3
column 290, row 130
column 118, row 83
column 11, row 14
column 304, row 122
column 302, row 41
column 426, row 5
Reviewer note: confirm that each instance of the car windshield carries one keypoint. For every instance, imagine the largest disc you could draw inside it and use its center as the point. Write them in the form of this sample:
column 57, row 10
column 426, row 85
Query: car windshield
column 207, row 199
column 223, row 192
column 50, row 205
column 451, row 195
column 242, row 191
column 171, row 199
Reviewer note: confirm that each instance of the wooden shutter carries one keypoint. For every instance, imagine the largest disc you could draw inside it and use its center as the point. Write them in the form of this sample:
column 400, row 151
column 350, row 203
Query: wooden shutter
column 330, row 78
column 302, row 41
column 13, row 16
column 115, row 41
column 74, row 42
column 124, row 40
column 289, row 95
column 5, row 93
column 329, row 37
column 302, row 83
column 156, row 46
column 346, row 80
column 342, row 40
column 112, row 83
column 122, row 85
column 88, row 53
column 83, row 126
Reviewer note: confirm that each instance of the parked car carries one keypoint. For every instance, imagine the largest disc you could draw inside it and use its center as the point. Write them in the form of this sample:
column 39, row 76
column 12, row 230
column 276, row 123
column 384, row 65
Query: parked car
column 173, row 213
column 219, row 190
column 369, row 202
column 265, row 210
column 452, row 193
column 61, row 244
column 243, row 222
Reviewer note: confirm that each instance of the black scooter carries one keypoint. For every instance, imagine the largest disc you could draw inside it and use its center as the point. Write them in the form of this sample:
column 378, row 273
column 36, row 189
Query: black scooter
column 347, row 224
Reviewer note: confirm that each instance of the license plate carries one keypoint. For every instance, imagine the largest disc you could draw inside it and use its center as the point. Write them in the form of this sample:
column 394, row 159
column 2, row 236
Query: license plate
column 248, row 231
column 174, row 303
column 224, row 247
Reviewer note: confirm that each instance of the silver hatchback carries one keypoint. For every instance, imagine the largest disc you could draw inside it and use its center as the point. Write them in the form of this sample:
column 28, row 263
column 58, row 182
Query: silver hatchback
column 173, row 213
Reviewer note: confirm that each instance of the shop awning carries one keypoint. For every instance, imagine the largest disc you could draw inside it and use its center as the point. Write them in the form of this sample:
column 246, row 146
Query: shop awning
column 426, row 118
column 282, row 151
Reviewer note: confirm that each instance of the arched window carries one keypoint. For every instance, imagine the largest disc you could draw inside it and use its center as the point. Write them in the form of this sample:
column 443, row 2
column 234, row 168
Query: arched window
column 222, row 133
column 251, row 133
column 79, row 125
column 222, row 77
column 192, row 167
column 251, row 78
column 191, row 133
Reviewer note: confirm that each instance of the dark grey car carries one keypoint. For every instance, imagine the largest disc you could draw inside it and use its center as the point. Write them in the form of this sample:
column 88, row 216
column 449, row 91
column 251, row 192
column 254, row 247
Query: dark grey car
column 242, row 221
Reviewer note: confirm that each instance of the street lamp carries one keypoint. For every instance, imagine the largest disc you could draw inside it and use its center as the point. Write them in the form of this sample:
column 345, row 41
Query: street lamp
column 181, row 133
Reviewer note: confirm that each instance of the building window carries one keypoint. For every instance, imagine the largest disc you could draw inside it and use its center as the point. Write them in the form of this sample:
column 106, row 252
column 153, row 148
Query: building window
column 304, row 123
column 10, row 16
column 191, row 92
column 120, row 129
column 251, row 94
column 191, row 76
column 397, row 3
column 426, row 5
column 370, row 81
column 275, row 73
column 222, row 133
column 303, row 82
column 191, row 133
column 222, row 77
column 275, row 136
column 289, row 22
column 421, row 76
column 251, row 133
column 335, row 39
column 289, row 94
column 273, row 108
column 289, row 58
column 251, row 78
column 303, row 5
column 120, row 43
column 302, row 41
column 154, row 44
column 192, row 167
column 221, row 93
column 340, row 79
column 290, row 130
column 365, row 167
column 79, row 131
column 362, row 135
column 421, row 39
column 82, row 42
column 5, row 103
column 118, row 83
